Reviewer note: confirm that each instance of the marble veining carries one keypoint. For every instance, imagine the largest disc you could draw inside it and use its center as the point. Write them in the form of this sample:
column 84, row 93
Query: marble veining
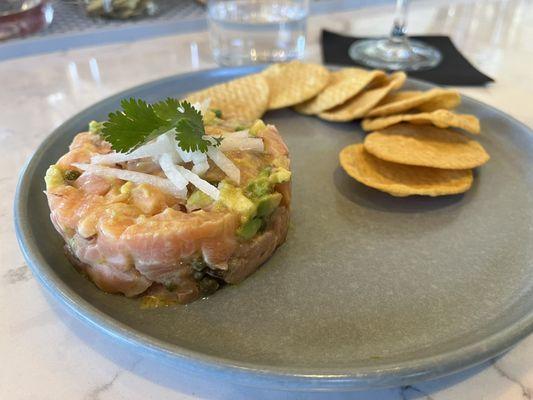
column 526, row 391
column 47, row 354
column 412, row 392
column 18, row 274
column 96, row 393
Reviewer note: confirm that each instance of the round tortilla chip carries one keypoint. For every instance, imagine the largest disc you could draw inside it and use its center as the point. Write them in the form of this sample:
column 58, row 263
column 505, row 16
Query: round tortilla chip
column 294, row 82
column 402, row 180
column 427, row 146
column 360, row 104
column 439, row 118
column 342, row 86
column 244, row 98
column 430, row 100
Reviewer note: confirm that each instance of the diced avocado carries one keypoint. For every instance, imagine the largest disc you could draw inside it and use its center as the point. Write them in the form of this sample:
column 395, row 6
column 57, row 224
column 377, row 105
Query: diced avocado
column 258, row 187
column 198, row 199
column 126, row 188
column 53, row 177
column 250, row 228
column 268, row 203
column 256, row 200
column 265, row 181
column 233, row 198
column 96, row 127
column 279, row 175
column 282, row 162
column 257, row 127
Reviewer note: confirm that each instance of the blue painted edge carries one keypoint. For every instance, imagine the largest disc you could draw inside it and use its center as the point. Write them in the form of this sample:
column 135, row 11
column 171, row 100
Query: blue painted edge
column 31, row 46
column 182, row 359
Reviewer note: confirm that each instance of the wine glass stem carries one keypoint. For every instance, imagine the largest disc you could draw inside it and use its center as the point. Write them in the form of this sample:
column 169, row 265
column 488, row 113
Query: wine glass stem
column 400, row 21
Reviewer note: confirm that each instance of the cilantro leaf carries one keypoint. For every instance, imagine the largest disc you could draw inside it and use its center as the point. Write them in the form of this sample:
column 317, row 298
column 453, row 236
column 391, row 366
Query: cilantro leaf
column 188, row 140
column 167, row 110
column 190, row 129
column 139, row 122
column 133, row 126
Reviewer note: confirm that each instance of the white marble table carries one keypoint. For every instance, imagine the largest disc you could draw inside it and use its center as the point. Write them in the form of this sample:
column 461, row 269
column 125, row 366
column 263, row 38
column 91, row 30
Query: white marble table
column 46, row 354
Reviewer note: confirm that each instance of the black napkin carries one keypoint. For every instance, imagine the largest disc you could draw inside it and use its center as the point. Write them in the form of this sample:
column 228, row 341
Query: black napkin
column 454, row 69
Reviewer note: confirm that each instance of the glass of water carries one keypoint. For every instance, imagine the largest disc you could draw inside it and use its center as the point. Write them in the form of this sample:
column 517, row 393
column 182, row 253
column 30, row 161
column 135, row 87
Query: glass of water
column 257, row 31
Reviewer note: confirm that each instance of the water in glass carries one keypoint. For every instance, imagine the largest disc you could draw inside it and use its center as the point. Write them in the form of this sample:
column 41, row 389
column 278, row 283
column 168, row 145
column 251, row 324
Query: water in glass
column 257, row 31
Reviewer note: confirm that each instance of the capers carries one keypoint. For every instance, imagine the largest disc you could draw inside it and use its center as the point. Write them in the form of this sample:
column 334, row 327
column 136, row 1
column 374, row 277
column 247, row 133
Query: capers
column 71, row 175
column 198, row 264
column 208, row 286
column 198, row 275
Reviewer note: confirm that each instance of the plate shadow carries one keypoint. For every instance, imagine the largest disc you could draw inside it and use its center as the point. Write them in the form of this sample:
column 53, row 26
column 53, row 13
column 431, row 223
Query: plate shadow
column 368, row 197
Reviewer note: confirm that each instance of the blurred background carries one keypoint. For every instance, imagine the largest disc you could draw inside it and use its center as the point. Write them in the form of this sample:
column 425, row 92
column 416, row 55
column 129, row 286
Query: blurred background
column 29, row 27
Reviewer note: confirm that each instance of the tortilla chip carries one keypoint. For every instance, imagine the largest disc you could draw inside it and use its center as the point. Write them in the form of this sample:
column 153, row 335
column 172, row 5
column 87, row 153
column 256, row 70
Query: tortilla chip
column 294, row 82
column 427, row 146
column 402, row 180
column 342, row 86
column 430, row 100
column 243, row 98
column 439, row 118
column 403, row 95
column 358, row 106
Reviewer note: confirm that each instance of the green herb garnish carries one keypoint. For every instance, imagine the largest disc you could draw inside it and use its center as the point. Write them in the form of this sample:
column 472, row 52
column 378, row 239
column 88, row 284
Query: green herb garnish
column 139, row 122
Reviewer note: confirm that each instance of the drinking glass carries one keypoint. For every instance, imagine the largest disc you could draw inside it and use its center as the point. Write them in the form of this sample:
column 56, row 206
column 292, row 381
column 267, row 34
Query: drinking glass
column 257, row 31
column 22, row 17
column 397, row 52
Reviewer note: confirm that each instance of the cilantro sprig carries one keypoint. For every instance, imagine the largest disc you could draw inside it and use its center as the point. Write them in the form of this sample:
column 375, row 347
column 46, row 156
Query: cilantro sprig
column 139, row 122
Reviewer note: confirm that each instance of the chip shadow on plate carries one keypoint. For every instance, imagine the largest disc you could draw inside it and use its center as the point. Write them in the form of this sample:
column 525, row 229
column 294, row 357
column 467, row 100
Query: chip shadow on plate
column 372, row 198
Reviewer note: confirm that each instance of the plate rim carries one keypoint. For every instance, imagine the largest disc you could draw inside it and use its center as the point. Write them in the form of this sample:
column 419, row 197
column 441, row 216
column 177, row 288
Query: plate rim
column 386, row 375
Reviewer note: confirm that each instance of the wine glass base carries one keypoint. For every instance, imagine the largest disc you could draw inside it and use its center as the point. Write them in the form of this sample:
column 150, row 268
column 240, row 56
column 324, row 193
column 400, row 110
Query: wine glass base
column 403, row 54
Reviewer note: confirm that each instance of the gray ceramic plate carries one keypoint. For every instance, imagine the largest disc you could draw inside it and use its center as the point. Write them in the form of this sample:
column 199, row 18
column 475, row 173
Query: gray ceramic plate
column 369, row 290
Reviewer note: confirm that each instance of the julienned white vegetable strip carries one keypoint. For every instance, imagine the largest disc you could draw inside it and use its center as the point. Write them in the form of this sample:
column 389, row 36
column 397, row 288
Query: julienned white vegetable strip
column 238, row 134
column 166, row 151
column 200, row 164
column 173, row 174
column 152, row 149
column 225, row 164
column 202, row 185
column 186, row 156
column 244, row 144
column 132, row 176
column 200, row 168
column 198, row 158
column 167, row 139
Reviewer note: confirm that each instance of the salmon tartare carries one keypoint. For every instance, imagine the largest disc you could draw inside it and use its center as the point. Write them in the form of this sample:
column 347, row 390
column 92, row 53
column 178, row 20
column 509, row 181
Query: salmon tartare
column 174, row 216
